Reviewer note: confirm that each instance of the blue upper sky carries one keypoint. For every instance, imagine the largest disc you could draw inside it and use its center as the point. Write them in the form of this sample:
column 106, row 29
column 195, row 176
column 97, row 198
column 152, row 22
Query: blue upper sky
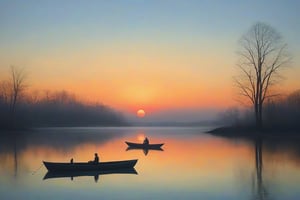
column 51, row 21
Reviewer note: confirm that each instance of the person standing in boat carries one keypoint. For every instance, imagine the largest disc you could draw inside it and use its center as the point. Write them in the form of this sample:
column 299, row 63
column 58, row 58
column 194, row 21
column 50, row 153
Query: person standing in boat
column 96, row 159
column 146, row 141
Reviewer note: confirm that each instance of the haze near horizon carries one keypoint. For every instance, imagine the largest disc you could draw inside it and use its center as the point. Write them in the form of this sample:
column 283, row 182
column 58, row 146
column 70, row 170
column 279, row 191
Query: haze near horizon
column 164, row 57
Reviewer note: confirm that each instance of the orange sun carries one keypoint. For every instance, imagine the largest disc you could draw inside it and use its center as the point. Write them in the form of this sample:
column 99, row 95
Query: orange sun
column 140, row 113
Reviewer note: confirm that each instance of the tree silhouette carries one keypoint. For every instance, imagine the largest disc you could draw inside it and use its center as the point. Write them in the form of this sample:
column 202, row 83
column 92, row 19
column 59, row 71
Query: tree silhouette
column 16, row 87
column 262, row 55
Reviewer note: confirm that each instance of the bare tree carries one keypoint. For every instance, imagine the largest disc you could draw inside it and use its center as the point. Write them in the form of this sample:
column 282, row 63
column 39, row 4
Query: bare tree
column 5, row 92
column 17, row 86
column 262, row 55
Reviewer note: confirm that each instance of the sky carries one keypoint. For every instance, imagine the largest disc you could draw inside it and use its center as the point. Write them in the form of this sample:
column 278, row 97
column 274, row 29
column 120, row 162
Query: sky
column 157, row 55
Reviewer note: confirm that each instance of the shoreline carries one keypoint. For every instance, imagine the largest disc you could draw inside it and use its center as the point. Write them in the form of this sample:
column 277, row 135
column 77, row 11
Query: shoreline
column 253, row 133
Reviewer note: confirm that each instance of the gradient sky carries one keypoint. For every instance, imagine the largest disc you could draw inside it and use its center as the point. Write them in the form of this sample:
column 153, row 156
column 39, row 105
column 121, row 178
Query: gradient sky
column 130, row 54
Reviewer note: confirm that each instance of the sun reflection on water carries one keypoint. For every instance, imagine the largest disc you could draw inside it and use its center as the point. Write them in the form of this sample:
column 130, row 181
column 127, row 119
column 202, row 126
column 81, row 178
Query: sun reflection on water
column 188, row 162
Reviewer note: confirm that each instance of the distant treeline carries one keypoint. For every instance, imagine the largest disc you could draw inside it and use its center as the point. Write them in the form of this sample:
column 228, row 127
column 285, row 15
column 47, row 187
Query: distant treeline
column 40, row 109
column 278, row 114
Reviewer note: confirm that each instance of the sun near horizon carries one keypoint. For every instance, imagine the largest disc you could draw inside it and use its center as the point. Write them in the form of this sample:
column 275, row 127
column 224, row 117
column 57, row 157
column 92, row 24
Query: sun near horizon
column 140, row 113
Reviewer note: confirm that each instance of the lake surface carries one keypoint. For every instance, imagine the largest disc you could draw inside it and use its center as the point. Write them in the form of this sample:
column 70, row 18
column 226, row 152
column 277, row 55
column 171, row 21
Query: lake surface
column 192, row 165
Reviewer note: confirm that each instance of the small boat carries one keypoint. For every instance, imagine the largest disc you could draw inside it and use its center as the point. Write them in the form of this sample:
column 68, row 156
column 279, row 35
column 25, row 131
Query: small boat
column 86, row 166
column 144, row 146
column 73, row 174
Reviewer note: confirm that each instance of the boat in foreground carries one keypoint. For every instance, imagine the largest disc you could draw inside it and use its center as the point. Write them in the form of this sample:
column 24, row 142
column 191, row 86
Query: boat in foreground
column 144, row 146
column 84, row 166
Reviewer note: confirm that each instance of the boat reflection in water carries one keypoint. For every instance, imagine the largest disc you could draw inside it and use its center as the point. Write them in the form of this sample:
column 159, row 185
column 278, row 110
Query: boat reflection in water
column 145, row 150
column 221, row 168
column 95, row 174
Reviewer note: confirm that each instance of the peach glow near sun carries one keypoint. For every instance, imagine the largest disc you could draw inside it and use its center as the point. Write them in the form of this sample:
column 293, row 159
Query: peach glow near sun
column 141, row 137
column 140, row 113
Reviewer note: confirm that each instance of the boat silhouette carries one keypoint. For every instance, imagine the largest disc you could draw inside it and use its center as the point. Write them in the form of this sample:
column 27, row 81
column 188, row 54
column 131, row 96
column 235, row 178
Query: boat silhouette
column 144, row 145
column 145, row 150
column 90, row 166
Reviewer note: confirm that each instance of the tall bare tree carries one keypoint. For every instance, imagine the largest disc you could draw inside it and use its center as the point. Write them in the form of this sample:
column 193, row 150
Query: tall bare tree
column 17, row 86
column 262, row 55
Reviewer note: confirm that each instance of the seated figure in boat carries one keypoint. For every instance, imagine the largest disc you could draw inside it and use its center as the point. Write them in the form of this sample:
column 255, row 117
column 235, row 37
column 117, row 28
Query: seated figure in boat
column 96, row 159
column 146, row 141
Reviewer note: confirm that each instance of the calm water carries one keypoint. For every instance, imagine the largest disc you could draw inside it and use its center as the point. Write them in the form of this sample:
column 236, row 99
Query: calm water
column 192, row 165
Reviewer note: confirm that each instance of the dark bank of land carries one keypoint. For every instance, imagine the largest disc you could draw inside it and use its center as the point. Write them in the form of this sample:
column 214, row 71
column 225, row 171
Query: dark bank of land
column 56, row 109
column 280, row 119
column 252, row 132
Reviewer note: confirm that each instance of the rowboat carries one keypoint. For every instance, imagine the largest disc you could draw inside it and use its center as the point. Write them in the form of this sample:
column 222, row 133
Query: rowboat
column 72, row 174
column 84, row 166
column 144, row 146
column 154, row 149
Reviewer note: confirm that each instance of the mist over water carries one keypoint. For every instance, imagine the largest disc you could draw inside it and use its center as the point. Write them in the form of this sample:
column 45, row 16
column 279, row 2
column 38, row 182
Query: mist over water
column 192, row 165
column 176, row 117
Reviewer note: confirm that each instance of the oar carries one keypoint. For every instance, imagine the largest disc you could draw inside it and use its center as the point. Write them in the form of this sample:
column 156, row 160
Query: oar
column 37, row 169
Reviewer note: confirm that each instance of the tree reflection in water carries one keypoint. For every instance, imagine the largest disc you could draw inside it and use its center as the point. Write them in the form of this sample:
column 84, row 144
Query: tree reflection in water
column 259, row 188
column 15, row 157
